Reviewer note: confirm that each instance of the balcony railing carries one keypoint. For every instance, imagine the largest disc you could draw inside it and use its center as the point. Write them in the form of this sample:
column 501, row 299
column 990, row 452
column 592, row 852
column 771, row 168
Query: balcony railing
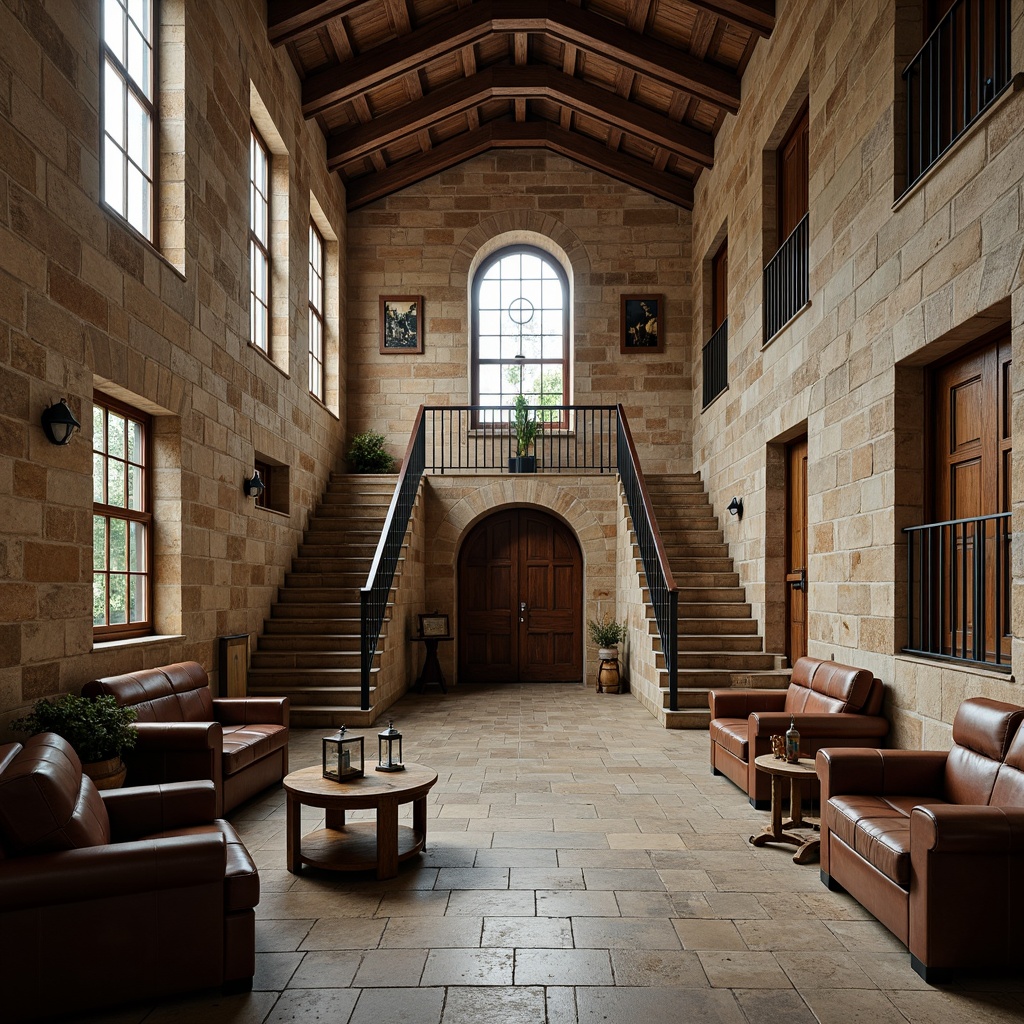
column 715, row 359
column 962, row 67
column 958, row 590
column 786, row 281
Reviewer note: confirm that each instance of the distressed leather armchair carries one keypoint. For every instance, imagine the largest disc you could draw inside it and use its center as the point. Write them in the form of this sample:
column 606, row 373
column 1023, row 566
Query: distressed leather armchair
column 131, row 895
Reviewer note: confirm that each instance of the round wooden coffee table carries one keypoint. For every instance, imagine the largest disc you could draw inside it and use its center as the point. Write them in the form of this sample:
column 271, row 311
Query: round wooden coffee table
column 362, row 845
column 780, row 831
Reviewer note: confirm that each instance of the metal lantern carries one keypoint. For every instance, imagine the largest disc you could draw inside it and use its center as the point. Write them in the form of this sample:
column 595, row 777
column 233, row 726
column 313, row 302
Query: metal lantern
column 343, row 757
column 389, row 750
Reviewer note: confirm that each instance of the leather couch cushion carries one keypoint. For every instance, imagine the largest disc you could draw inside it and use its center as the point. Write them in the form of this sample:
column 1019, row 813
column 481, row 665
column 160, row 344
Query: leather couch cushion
column 982, row 733
column 46, row 803
column 731, row 734
column 822, row 687
column 244, row 744
column 173, row 693
column 1008, row 790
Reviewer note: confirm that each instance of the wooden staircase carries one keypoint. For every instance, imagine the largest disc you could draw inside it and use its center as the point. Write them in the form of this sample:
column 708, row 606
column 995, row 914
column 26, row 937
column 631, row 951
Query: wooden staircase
column 718, row 642
column 309, row 649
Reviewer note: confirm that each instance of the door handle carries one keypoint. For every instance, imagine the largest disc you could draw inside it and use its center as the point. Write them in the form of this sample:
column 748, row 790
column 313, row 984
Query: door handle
column 522, row 611
column 798, row 578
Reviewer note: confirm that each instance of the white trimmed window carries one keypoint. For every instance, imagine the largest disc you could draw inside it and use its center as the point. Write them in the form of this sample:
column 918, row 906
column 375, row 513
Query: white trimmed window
column 316, row 313
column 259, row 241
column 129, row 111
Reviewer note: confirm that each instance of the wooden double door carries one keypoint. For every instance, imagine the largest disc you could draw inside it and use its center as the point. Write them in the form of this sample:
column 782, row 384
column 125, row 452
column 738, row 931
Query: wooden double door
column 520, row 600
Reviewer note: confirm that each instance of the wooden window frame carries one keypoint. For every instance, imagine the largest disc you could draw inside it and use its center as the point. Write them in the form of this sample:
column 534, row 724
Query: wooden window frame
column 317, row 325
column 144, row 626
column 720, row 285
column 256, row 243
column 800, row 123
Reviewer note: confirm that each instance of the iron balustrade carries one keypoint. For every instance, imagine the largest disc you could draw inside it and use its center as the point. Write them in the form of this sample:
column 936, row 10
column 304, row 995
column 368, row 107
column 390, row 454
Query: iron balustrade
column 373, row 596
column 962, row 67
column 715, row 359
column 787, row 281
column 479, row 438
column 958, row 587
column 664, row 594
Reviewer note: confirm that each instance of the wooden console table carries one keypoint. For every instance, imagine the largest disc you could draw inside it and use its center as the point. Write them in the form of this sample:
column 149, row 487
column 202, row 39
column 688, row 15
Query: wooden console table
column 780, row 831
column 432, row 672
column 362, row 845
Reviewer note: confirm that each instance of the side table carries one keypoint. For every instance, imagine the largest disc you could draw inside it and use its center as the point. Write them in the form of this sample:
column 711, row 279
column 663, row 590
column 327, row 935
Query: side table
column 780, row 831
column 432, row 672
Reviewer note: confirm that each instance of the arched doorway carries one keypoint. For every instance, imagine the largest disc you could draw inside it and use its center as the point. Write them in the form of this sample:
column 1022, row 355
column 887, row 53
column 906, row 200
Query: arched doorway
column 520, row 600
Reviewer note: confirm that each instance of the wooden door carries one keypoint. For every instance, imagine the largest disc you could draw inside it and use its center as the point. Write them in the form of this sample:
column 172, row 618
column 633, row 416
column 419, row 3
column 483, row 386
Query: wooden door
column 796, row 550
column 973, row 448
column 793, row 171
column 521, row 600
column 719, row 286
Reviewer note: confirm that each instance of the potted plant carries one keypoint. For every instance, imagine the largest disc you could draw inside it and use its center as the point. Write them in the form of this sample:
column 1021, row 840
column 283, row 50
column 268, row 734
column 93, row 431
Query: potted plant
column 524, row 427
column 367, row 454
column 606, row 633
column 98, row 728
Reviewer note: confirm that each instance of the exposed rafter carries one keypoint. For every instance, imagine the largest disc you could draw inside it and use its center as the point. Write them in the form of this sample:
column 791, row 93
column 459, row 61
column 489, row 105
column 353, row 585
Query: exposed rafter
column 586, row 31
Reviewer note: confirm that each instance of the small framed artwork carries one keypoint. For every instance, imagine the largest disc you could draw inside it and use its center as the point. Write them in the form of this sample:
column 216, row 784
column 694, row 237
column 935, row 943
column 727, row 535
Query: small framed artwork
column 401, row 324
column 642, row 326
column 434, row 625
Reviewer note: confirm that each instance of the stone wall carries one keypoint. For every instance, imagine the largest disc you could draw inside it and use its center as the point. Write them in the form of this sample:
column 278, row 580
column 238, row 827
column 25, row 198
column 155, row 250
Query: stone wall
column 86, row 303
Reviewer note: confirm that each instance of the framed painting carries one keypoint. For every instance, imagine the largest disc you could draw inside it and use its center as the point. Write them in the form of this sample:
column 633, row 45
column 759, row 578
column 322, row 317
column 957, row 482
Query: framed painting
column 401, row 324
column 434, row 625
column 642, row 324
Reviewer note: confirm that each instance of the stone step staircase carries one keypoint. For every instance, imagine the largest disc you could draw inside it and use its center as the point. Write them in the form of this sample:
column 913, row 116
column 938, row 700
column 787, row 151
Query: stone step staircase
column 309, row 649
column 718, row 643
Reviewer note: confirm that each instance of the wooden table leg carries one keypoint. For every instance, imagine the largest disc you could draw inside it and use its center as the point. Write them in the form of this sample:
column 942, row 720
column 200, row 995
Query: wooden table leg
column 293, row 828
column 419, row 819
column 387, row 838
column 334, row 817
column 772, row 833
column 796, row 805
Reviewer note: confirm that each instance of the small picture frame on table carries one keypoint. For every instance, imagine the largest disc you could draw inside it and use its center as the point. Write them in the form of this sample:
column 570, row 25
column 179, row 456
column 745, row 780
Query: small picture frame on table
column 642, row 324
column 401, row 324
column 434, row 624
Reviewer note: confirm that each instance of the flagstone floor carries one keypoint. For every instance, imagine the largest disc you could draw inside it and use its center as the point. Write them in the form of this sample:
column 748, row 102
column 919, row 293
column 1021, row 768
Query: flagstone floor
column 583, row 865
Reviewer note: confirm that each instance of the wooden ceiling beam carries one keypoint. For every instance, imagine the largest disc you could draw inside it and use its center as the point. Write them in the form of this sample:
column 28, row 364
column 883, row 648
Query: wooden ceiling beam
column 536, row 82
column 555, row 18
column 519, row 135
column 289, row 19
column 757, row 16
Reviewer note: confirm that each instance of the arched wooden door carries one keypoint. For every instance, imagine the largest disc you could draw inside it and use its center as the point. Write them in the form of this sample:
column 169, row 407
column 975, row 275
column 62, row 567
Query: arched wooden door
column 520, row 600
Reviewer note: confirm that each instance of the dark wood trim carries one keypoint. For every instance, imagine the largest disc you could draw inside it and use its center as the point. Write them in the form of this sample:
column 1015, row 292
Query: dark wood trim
column 522, row 82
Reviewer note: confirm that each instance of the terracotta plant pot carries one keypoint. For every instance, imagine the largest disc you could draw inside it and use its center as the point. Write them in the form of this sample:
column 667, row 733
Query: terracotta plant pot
column 107, row 774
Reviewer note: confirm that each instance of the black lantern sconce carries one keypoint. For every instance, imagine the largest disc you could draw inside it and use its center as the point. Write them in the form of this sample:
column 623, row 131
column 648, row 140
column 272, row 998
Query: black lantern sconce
column 254, row 485
column 59, row 423
column 389, row 750
column 735, row 508
column 343, row 757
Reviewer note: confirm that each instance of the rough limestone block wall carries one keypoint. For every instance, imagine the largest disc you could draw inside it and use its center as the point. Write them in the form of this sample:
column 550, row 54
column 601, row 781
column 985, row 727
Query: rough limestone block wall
column 85, row 302
column 895, row 283
column 615, row 240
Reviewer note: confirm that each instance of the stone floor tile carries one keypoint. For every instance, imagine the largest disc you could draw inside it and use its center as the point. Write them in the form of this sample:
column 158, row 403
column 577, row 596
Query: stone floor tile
column 327, row 969
column 658, row 968
column 803, row 933
column 624, row 933
column 273, row 970
column 480, row 902
column 645, row 841
column 450, row 932
column 390, row 968
column 552, row 840
column 273, row 936
column 545, row 878
column 539, row 932
column 414, row 903
column 340, row 933
column 740, row 969
column 852, row 1006
column 768, row 1006
column 819, row 969
column 575, row 903
column 398, row 1006
column 953, row 1007
column 602, row 858
column 511, row 858
column 467, row 1005
column 706, row 934
column 312, row 1006
column 890, row 970
column 644, row 904
column 865, row 936
column 563, row 967
column 625, row 879
column 666, row 1005
column 472, row 878
column 561, row 1004
column 677, row 880
column 468, row 967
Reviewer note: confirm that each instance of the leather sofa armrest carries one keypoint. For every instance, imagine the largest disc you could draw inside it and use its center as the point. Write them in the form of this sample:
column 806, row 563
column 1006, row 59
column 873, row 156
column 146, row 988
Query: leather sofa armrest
column 252, row 710
column 741, row 703
column 154, row 736
column 104, row 872
column 867, row 771
column 966, row 828
column 143, row 810
column 770, row 723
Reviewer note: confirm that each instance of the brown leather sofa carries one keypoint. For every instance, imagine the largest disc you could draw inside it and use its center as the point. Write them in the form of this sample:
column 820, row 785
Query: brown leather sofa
column 134, row 895
column 932, row 842
column 241, row 743
column 832, row 705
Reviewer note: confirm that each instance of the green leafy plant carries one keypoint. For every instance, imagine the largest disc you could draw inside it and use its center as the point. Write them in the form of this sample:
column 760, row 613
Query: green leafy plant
column 606, row 632
column 367, row 454
column 524, row 426
column 97, row 727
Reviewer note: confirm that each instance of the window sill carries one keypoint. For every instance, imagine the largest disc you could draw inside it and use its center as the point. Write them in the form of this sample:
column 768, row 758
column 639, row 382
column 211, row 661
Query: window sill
column 141, row 238
column 266, row 356
column 323, row 405
column 785, row 327
column 950, row 665
column 724, row 390
column 138, row 641
column 273, row 511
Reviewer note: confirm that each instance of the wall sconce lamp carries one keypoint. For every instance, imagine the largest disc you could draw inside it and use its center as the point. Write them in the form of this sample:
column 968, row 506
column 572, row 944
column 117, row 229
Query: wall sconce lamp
column 253, row 486
column 735, row 508
column 59, row 423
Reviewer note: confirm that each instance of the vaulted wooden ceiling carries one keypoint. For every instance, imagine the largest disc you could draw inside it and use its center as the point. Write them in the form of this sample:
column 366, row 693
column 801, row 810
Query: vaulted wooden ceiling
column 404, row 89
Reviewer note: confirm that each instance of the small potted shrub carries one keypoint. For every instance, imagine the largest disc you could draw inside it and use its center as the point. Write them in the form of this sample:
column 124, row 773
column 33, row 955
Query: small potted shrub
column 98, row 728
column 367, row 454
column 524, row 429
column 606, row 634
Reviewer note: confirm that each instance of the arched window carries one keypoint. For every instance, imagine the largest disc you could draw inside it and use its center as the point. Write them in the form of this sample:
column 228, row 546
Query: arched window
column 520, row 332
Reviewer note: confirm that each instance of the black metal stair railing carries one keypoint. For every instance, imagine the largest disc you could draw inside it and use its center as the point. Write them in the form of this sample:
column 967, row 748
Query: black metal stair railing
column 958, row 73
column 787, row 281
column 715, row 361
column 958, row 590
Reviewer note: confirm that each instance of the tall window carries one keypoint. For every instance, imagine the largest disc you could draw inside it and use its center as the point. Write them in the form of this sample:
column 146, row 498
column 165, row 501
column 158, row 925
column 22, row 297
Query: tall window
column 122, row 521
column 259, row 242
column 316, row 313
column 129, row 111
column 716, row 355
column 520, row 331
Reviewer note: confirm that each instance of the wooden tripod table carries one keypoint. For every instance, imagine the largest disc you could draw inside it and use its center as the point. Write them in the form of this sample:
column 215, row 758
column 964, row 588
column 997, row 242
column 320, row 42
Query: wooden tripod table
column 780, row 831
column 360, row 845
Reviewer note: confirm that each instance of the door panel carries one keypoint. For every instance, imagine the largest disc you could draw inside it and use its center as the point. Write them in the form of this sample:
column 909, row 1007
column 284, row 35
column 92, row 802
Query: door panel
column 796, row 550
column 526, row 626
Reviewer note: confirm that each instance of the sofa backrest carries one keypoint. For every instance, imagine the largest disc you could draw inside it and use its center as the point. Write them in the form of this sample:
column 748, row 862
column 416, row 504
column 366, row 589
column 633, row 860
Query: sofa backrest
column 171, row 693
column 982, row 733
column 819, row 687
column 46, row 803
column 1008, row 790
